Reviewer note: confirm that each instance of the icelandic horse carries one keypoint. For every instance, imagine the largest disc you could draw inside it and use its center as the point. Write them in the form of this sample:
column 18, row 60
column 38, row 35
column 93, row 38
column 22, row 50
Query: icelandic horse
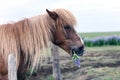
column 28, row 38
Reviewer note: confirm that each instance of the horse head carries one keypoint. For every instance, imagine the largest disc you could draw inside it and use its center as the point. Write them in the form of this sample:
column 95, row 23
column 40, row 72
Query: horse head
column 64, row 35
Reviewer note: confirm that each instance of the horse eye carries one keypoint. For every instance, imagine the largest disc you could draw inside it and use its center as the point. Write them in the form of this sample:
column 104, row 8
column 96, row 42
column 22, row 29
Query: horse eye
column 67, row 27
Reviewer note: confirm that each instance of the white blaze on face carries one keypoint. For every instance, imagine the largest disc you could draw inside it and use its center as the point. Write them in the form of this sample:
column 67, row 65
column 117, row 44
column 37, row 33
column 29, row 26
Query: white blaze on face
column 81, row 40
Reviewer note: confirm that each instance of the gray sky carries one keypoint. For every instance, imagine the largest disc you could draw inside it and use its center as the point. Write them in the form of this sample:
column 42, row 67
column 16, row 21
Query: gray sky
column 92, row 15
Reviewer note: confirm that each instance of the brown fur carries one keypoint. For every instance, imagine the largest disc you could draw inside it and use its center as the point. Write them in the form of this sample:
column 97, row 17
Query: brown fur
column 30, row 37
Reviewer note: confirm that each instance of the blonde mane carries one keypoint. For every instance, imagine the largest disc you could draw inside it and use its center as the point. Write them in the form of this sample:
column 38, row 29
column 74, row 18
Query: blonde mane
column 31, row 36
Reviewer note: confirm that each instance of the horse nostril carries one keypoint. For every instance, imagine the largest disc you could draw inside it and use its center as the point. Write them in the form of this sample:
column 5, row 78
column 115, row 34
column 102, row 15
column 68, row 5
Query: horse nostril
column 81, row 48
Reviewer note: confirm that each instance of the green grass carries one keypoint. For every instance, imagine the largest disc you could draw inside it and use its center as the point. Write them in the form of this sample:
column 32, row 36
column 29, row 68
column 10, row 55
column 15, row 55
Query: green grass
column 97, row 34
column 103, row 48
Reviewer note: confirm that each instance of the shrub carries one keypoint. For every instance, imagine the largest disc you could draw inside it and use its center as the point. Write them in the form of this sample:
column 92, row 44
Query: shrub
column 101, row 41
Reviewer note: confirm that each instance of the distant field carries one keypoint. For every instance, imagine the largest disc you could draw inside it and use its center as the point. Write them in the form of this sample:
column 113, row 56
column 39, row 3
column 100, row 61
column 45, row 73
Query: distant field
column 103, row 48
column 97, row 34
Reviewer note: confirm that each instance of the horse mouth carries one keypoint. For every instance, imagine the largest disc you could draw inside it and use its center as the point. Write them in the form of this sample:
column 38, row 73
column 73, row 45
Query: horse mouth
column 79, row 51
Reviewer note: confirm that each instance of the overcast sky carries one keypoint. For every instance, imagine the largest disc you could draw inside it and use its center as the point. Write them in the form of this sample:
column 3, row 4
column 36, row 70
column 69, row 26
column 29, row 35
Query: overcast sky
column 92, row 15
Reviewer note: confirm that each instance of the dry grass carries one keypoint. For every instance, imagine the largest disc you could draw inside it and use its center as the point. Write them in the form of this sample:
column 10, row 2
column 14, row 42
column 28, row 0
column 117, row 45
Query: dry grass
column 96, row 64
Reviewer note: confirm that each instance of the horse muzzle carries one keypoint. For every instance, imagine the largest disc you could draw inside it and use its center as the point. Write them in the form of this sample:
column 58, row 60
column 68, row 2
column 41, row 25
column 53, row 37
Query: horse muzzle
column 79, row 51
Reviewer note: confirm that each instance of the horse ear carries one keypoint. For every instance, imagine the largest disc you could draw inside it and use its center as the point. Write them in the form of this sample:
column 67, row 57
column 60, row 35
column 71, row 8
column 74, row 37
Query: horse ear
column 53, row 15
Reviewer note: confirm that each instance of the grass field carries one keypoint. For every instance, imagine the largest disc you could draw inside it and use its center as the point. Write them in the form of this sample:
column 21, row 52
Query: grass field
column 98, row 63
column 97, row 34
